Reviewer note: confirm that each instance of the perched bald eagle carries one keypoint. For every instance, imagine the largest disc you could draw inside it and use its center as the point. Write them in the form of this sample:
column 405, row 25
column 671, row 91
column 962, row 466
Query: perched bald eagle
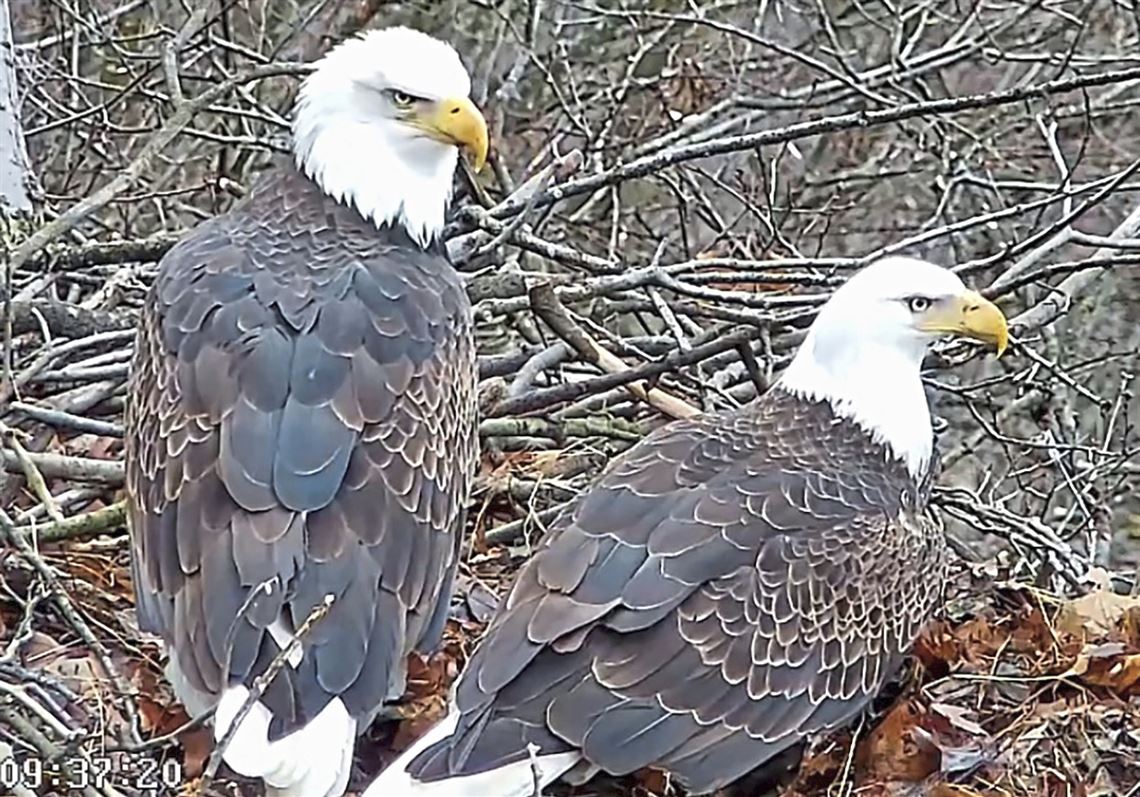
column 301, row 417
column 734, row 582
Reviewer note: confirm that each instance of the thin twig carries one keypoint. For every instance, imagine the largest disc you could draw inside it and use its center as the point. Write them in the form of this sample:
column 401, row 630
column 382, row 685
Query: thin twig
column 262, row 682
column 546, row 305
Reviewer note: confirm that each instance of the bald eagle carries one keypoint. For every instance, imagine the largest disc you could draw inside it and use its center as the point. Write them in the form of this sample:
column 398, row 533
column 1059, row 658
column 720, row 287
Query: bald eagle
column 301, row 418
column 734, row 582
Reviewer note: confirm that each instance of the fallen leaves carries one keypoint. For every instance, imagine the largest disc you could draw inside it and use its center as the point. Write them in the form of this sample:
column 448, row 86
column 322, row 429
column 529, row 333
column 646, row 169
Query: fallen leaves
column 898, row 748
column 914, row 750
column 160, row 715
column 1109, row 626
column 1099, row 614
column 429, row 683
column 1041, row 699
column 1094, row 639
column 1019, row 695
column 197, row 744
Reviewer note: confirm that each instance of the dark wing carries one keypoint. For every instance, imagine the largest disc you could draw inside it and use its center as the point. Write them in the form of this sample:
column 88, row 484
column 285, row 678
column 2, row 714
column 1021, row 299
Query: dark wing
column 723, row 591
column 300, row 424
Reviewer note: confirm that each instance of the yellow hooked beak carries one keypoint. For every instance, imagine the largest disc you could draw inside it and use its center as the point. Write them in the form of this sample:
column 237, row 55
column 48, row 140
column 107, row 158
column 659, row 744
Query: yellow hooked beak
column 456, row 120
column 970, row 315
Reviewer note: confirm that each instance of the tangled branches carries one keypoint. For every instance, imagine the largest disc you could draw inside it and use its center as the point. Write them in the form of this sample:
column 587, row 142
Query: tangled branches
column 676, row 187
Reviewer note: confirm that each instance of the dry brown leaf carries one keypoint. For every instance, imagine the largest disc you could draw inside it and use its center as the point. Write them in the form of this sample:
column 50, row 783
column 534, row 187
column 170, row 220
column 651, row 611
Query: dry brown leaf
column 1053, row 785
column 899, row 748
column 652, row 781
column 506, row 463
column 953, row 790
column 159, row 713
column 959, row 717
column 820, row 767
column 546, row 463
column 81, row 674
column 1130, row 628
column 937, row 648
column 1033, row 635
column 417, row 719
column 151, row 714
column 979, row 640
column 196, row 747
column 1097, row 615
column 39, row 650
column 429, row 680
column 1108, row 665
column 104, row 448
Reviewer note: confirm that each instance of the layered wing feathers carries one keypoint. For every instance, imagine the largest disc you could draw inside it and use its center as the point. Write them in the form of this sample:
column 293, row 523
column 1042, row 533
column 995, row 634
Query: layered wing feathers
column 301, row 419
column 734, row 583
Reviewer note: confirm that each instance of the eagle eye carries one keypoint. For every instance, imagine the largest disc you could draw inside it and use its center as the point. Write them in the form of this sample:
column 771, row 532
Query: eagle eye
column 918, row 304
column 402, row 99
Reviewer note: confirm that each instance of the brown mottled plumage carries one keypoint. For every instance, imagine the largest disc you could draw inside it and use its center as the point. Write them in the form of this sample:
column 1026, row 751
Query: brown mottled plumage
column 733, row 583
column 300, row 415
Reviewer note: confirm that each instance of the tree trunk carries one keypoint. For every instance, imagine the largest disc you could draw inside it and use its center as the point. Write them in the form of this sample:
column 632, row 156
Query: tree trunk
column 15, row 170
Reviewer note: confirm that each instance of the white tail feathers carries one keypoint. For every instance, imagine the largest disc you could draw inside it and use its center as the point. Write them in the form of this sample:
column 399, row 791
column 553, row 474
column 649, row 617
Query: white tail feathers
column 512, row 780
column 313, row 761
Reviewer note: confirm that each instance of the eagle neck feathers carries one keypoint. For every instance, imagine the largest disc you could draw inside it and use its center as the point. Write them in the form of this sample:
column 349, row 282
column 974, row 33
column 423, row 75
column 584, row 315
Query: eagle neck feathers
column 878, row 388
column 387, row 182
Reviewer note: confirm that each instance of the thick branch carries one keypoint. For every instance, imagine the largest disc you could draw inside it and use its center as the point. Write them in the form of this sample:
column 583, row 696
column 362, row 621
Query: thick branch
column 15, row 168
